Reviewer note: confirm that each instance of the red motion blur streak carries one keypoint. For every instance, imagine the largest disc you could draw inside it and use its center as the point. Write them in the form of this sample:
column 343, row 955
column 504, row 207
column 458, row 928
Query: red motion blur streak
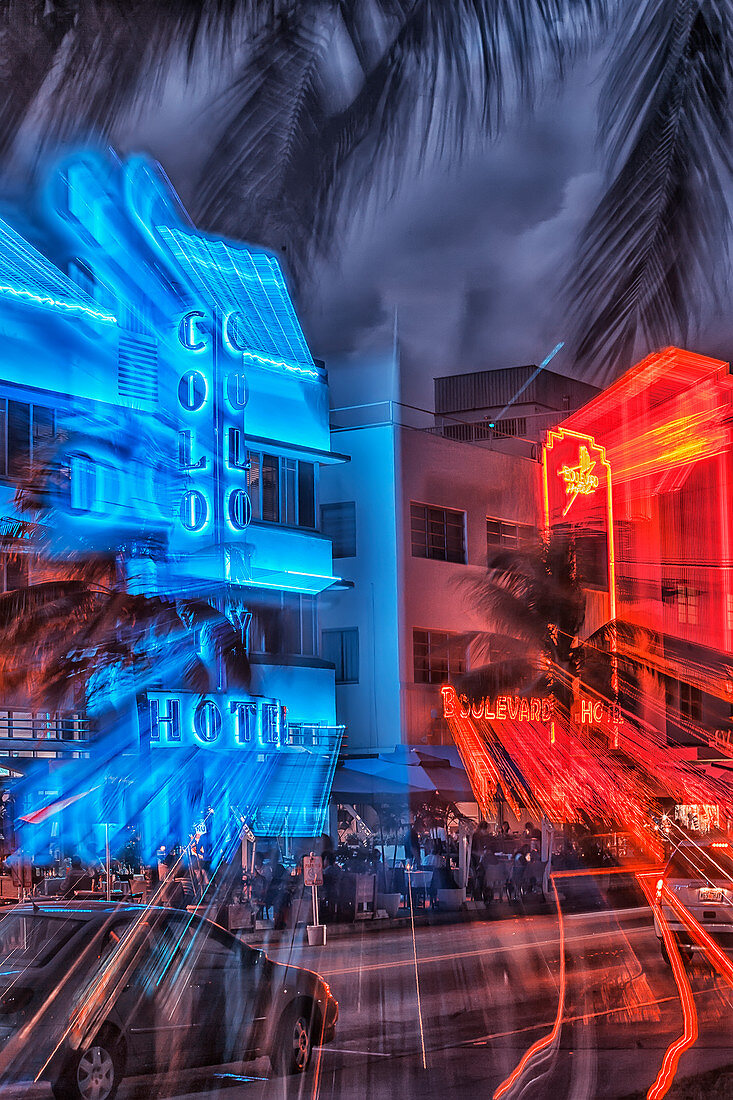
column 480, row 768
column 689, row 1012
column 554, row 1035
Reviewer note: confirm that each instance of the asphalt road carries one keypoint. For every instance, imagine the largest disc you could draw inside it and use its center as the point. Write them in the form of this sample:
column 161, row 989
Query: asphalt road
column 488, row 991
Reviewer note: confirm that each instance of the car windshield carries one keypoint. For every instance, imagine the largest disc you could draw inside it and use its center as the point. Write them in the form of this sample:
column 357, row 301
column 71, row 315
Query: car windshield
column 32, row 939
column 710, row 864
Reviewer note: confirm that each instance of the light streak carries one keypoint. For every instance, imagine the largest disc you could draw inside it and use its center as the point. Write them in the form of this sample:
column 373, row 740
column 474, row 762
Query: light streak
column 306, row 372
column 689, row 1011
column 417, row 975
column 553, row 1036
column 55, row 303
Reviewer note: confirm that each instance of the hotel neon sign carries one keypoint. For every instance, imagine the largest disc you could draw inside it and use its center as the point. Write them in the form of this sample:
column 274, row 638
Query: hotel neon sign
column 185, row 719
column 532, row 709
column 579, row 479
column 516, row 708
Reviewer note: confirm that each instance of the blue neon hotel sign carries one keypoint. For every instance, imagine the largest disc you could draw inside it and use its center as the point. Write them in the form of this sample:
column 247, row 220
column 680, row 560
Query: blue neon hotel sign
column 217, row 721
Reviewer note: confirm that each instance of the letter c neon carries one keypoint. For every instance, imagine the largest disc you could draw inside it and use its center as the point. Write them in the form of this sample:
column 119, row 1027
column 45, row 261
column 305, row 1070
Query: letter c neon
column 187, row 330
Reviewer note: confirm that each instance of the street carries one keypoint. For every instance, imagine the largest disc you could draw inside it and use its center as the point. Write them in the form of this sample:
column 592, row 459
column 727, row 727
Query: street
column 488, row 990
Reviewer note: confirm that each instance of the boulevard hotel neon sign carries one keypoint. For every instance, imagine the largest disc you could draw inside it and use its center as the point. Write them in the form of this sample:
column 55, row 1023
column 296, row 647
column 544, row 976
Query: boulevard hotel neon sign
column 502, row 708
column 587, row 712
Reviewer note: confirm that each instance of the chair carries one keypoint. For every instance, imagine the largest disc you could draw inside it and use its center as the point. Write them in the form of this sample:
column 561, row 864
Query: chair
column 496, row 882
column 535, row 877
column 517, row 879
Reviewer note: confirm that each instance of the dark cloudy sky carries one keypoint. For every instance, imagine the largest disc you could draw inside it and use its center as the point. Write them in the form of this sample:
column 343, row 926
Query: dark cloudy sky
column 471, row 257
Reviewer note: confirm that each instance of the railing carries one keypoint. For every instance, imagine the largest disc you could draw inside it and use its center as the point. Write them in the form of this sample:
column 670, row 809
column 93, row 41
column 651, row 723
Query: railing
column 478, row 433
column 313, row 736
column 26, row 725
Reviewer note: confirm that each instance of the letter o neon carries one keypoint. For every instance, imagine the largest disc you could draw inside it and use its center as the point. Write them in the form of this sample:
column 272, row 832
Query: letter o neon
column 194, row 510
column 240, row 509
column 207, row 721
column 192, row 390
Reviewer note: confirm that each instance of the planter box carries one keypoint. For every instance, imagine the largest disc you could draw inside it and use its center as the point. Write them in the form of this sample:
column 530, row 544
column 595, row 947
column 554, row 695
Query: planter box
column 390, row 902
column 451, row 899
column 316, row 935
column 241, row 918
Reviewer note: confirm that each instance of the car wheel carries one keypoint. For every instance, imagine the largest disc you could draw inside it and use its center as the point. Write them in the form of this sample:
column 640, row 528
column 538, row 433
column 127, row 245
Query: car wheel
column 294, row 1042
column 93, row 1072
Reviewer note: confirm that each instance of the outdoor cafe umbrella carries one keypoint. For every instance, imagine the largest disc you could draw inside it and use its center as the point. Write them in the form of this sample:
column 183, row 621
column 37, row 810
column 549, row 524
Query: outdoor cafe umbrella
column 371, row 777
column 431, row 769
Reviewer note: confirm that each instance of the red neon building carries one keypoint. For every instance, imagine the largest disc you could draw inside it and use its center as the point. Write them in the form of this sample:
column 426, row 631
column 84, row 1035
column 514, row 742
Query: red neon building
column 643, row 475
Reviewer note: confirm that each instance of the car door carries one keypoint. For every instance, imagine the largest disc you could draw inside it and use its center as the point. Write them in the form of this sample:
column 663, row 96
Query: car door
column 225, row 980
column 155, row 1002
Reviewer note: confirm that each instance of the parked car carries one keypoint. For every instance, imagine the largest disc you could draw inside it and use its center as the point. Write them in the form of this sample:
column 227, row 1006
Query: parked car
column 91, row 991
column 700, row 874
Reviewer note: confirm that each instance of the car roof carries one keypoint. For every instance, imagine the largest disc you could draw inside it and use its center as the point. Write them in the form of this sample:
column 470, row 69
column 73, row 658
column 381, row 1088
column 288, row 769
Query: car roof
column 90, row 908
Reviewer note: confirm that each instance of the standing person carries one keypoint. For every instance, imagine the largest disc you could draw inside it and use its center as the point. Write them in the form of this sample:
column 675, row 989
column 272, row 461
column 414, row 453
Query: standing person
column 332, row 878
column 480, row 841
column 437, row 861
column 77, row 878
column 412, row 847
column 259, row 883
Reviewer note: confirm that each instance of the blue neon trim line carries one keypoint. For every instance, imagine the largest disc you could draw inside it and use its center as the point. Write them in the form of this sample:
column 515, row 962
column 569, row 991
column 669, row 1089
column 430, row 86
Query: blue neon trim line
column 307, row 371
column 25, row 273
column 250, row 284
column 54, row 303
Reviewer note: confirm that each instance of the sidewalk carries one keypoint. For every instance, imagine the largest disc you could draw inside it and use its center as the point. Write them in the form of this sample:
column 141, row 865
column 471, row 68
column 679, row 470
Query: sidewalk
column 265, row 936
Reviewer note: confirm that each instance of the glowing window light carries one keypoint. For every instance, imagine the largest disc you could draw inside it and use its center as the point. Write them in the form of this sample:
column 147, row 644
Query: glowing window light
column 29, row 276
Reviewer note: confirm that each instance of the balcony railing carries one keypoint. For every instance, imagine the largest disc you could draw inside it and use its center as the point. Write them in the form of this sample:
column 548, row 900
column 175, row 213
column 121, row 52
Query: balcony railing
column 315, row 736
column 44, row 726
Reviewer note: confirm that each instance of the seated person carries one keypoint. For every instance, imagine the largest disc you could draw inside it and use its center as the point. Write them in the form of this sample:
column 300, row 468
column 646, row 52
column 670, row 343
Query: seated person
column 332, row 876
column 77, row 878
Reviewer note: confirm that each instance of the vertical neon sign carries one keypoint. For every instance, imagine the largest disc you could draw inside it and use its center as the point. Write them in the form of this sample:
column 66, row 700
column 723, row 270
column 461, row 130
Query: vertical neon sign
column 224, row 401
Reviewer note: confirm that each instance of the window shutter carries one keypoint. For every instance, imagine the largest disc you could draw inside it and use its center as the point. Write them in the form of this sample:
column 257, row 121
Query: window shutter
column 137, row 367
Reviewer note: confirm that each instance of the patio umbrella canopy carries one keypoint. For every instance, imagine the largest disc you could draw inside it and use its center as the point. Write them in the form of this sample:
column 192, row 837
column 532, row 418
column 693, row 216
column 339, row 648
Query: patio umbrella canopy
column 435, row 769
column 354, row 782
column 406, row 771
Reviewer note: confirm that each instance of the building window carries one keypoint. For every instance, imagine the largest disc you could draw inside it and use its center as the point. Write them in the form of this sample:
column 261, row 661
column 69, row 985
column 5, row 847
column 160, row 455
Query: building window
column 338, row 523
column 438, row 533
column 270, row 488
column 306, row 494
column 24, row 432
column 687, row 604
column 84, row 494
column 690, row 701
column 282, row 490
column 341, row 649
column 92, row 486
column 500, row 532
column 13, row 571
column 438, row 656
